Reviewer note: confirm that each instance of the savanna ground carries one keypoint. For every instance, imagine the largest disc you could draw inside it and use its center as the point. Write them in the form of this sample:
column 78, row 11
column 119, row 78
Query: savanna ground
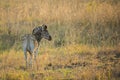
column 85, row 44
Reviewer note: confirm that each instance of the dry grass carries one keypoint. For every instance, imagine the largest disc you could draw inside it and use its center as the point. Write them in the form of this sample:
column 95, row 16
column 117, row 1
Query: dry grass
column 88, row 22
column 85, row 37
column 66, row 63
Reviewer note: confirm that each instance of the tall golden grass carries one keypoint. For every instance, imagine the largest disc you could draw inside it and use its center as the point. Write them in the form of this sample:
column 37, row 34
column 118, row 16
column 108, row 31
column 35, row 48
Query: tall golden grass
column 69, row 22
column 60, row 11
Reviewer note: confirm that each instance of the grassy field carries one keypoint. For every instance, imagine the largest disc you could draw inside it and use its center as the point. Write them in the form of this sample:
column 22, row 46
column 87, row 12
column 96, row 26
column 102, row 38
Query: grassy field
column 68, row 63
column 85, row 39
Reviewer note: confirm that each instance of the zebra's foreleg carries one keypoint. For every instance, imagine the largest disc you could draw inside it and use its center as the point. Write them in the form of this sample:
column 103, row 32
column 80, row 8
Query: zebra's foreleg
column 35, row 57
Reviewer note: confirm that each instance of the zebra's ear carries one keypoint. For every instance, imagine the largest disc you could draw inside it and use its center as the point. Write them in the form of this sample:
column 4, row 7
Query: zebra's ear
column 44, row 27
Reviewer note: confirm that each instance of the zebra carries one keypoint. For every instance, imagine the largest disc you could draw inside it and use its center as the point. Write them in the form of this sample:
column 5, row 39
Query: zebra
column 31, row 42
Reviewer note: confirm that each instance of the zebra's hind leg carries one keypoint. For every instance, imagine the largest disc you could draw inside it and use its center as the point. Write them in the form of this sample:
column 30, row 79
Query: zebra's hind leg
column 31, row 61
column 25, row 56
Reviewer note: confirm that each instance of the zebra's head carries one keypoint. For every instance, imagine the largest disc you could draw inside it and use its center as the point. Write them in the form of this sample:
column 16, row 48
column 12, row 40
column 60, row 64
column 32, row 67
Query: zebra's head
column 45, row 34
column 42, row 32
